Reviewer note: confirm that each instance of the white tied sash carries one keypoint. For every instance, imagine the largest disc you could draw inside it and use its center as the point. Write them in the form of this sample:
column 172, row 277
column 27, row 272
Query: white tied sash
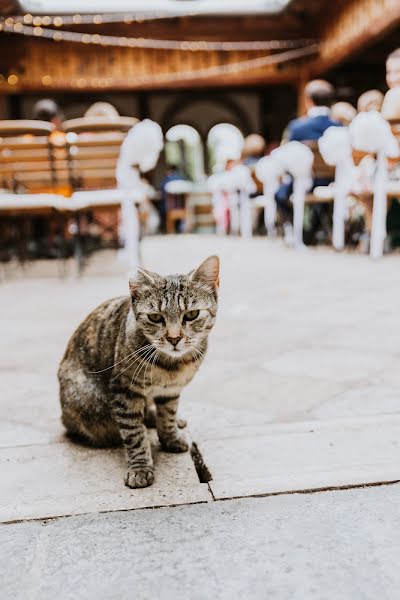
column 297, row 159
column 335, row 148
column 269, row 171
column 342, row 186
column 270, row 208
column 378, row 228
column 300, row 187
column 129, row 231
column 234, row 212
column 139, row 153
column 232, row 188
column 246, row 224
column 371, row 133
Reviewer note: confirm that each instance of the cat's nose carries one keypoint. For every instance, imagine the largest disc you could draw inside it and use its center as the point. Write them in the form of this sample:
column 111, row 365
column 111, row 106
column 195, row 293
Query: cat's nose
column 174, row 340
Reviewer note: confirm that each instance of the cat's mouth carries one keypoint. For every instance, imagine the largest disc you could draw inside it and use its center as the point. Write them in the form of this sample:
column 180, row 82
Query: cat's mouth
column 175, row 351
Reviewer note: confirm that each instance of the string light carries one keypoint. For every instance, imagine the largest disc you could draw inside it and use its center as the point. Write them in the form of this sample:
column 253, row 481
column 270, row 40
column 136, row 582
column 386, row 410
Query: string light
column 112, row 40
column 78, row 19
column 206, row 73
column 231, row 68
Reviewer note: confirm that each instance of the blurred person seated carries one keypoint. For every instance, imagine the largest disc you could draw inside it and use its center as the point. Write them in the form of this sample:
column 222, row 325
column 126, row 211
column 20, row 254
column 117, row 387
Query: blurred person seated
column 370, row 100
column 343, row 113
column 253, row 149
column 393, row 69
column 172, row 174
column 318, row 99
column 101, row 109
column 48, row 110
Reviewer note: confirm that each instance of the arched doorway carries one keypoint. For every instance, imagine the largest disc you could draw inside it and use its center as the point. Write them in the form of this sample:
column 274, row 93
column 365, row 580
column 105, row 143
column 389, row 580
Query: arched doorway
column 184, row 148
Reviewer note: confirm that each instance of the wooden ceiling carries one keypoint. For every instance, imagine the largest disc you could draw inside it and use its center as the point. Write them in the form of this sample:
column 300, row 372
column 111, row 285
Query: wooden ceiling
column 342, row 27
column 300, row 19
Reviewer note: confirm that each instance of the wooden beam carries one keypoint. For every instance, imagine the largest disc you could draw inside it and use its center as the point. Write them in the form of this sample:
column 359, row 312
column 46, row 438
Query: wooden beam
column 357, row 24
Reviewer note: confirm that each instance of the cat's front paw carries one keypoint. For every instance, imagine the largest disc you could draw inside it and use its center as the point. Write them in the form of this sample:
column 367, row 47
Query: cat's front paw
column 140, row 478
column 175, row 444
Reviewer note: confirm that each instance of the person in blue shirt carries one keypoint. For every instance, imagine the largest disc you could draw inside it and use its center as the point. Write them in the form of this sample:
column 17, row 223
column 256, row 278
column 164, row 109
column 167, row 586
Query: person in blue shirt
column 319, row 95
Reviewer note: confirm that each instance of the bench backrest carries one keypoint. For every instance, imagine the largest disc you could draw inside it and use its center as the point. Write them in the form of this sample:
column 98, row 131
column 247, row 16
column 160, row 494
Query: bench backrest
column 32, row 156
column 93, row 146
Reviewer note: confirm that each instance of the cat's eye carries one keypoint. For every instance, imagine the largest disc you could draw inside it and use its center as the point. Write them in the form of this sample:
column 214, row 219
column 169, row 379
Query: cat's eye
column 191, row 315
column 155, row 317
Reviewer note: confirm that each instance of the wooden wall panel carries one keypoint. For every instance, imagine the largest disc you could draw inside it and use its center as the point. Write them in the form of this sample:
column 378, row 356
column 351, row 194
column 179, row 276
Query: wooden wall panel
column 44, row 64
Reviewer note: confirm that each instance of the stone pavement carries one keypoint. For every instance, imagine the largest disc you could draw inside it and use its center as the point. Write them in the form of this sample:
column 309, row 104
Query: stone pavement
column 300, row 392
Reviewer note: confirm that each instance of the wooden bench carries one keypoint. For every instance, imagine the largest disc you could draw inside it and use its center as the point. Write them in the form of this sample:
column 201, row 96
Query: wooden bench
column 33, row 157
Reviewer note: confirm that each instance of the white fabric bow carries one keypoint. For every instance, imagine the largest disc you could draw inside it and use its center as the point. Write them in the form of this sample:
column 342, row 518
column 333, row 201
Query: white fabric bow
column 335, row 148
column 139, row 153
column 297, row 159
column 369, row 132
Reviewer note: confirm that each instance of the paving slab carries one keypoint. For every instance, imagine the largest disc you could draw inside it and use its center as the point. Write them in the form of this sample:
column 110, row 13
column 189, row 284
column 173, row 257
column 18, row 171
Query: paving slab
column 287, row 457
column 64, row 479
column 333, row 364
column 299, row 336
column 324, row 546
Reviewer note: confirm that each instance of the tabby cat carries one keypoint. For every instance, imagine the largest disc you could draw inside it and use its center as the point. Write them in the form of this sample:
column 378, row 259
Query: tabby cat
column 134, row 352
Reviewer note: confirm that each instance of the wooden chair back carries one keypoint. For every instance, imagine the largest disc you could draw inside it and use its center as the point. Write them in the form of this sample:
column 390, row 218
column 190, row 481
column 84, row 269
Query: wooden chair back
column 32, row 157
column 320, row 169
column 93, row 149
column 177, row 210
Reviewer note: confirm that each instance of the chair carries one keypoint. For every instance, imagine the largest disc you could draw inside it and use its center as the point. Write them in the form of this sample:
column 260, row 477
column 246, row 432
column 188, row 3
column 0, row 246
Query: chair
column 33, row 168
column 93, row 145
column 178, row 207
column 202, row 211
column 320, row 171
column 32, row 158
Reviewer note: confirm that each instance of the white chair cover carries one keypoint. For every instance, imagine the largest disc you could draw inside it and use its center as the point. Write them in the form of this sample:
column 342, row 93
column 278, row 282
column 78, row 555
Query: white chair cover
column 335, row 148
column 369, row 132
column 268, row 171
column 297, row 159
column 139, row 153
column 244, row 185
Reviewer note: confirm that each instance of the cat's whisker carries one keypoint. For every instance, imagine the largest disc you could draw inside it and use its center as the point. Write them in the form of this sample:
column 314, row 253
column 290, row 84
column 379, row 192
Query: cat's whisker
column 130, row 364
column 120, row 361
column 141, row 364
column 153, row 364
column 147, row 365
column 198, row 355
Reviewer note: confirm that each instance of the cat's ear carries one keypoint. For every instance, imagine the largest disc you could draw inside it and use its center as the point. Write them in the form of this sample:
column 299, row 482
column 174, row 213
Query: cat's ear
column 142, row 278
column 207, row 272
